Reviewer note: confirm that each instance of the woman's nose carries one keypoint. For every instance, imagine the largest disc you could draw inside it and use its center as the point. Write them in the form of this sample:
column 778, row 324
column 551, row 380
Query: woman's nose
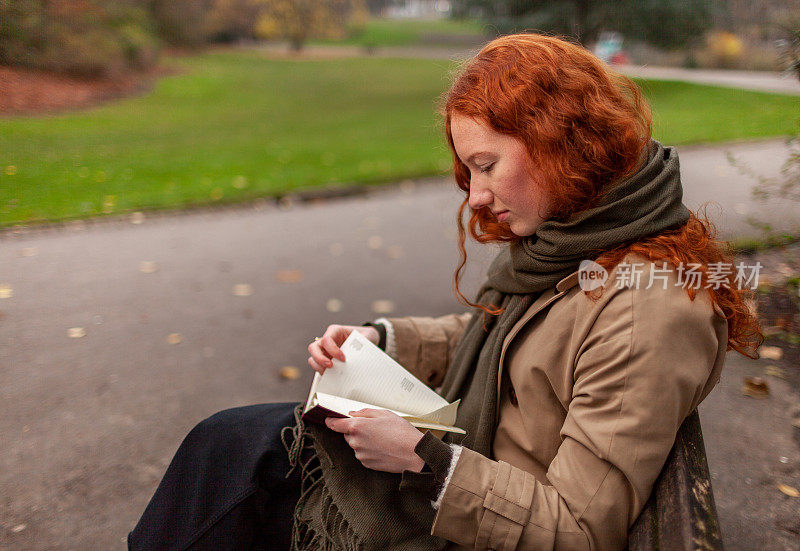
column 479, row 195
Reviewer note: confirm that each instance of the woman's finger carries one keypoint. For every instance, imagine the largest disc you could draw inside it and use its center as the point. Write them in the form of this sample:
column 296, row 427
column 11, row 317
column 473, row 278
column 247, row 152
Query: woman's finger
column 330, row 347
column 318, row 355
column 315, row 366
column 338, row 425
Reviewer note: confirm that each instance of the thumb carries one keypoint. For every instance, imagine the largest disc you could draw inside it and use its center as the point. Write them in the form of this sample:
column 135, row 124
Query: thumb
column 369, row 412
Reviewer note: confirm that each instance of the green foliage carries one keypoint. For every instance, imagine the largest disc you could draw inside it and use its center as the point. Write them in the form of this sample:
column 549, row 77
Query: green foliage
column 86, row 38
column 664, row 23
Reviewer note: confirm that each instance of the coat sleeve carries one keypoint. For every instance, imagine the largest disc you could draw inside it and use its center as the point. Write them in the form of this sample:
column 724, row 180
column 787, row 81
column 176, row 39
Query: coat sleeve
column 425, row 344
column 642, row 368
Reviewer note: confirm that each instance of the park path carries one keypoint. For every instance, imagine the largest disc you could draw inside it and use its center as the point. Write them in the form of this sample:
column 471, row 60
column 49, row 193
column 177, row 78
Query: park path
column 90, row 423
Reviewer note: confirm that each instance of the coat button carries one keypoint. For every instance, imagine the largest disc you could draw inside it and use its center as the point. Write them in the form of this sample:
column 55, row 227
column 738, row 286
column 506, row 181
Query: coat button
column 512, row 396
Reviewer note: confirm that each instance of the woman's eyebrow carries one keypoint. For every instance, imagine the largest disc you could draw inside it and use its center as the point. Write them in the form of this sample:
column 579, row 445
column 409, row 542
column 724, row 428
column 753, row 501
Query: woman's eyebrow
column 471, row 158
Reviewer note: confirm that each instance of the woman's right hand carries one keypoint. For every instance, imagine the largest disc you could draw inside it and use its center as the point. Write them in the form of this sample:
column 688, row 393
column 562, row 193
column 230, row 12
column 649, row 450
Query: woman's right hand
column 327, row 347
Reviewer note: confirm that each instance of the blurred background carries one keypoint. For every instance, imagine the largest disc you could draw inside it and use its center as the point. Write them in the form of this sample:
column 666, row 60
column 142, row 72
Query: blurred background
column 191, row 190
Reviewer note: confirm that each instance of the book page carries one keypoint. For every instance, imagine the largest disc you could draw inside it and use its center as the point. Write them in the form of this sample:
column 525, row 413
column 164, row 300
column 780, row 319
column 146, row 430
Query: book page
column 345, row 406
column 371, row 376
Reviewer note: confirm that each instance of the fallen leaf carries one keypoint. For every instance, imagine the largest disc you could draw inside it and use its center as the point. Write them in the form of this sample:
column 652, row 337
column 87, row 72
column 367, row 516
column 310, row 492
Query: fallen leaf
column 137, row 217
column 6, row 291
column 407, row 186
column 242, row 290
column 76, row 332
column 148, row 267
column 289, row 372
column 216, row 194
column 28, row 251
column 25, row 428
column 108, row 204
column 755, row 387
column 375, row 242
column 289, row 276
column 790, row 491
column 174, row 338
column 383, row 306
column 394, row 251
column 240, row 182
column 285, row 202
column 19, row 528
column 11, row 170
column 771, row 352
column 334, row 305
column 336, row 249
column 775, row 371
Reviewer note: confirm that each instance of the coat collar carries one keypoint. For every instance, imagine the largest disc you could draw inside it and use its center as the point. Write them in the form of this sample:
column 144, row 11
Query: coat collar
column 568, row 282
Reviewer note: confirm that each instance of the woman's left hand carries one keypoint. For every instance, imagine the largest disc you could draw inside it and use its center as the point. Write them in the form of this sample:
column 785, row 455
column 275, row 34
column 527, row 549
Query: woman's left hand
column 382, row 440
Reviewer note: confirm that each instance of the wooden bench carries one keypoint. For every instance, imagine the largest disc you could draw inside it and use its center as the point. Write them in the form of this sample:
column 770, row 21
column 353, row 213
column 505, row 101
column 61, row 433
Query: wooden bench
column 680, row 514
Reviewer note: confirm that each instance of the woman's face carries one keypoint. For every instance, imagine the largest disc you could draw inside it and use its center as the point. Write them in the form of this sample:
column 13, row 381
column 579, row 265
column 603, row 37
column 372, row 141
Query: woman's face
column 499, row 180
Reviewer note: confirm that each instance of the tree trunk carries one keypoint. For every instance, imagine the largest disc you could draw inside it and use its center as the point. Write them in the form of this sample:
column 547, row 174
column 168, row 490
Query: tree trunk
column 581, row 23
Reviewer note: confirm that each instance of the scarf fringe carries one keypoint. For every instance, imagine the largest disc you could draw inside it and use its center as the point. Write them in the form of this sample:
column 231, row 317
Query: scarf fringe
column 338, row 536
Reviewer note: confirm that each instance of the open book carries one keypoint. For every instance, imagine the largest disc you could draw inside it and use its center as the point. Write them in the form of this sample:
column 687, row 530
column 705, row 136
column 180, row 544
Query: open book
column 370, row 378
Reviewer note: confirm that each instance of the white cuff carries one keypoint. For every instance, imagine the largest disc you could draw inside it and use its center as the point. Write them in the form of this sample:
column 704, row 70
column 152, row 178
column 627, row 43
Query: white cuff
column 391, row 344
column 456, row 454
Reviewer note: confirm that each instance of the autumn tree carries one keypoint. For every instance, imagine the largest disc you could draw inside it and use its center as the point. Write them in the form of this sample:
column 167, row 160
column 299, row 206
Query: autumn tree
column 230, row 20
column 299, row 20
column 181, row 22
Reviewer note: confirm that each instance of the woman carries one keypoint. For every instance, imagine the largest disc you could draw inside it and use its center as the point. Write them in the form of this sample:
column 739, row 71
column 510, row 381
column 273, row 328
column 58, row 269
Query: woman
column 572, row 390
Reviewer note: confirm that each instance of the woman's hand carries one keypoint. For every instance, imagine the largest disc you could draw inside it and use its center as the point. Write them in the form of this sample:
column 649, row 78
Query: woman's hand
column 382, row 440
column 329, row 345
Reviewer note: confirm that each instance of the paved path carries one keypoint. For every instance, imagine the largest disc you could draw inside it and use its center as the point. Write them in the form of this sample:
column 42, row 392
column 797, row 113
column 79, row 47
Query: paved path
column 765, row 81
column 89, row 424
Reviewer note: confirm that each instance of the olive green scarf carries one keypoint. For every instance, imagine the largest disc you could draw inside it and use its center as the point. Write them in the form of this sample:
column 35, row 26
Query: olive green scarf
column 347, row 506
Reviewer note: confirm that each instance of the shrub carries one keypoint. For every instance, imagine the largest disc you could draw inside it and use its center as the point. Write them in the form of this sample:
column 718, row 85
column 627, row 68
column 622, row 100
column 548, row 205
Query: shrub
column 82, row 37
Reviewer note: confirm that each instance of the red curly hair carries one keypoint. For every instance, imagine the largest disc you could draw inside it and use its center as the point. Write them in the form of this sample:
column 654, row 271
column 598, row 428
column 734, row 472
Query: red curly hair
column 586, row 126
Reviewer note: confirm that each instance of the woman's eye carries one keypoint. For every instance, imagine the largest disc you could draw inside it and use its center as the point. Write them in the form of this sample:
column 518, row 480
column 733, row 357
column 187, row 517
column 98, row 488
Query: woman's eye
column 487, row 168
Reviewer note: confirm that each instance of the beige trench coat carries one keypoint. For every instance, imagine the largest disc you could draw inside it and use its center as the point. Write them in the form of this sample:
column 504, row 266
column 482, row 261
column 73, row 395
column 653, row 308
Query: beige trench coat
column 591, row 396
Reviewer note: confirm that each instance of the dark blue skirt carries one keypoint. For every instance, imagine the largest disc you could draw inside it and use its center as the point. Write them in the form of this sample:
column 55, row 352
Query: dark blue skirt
column 226, row 487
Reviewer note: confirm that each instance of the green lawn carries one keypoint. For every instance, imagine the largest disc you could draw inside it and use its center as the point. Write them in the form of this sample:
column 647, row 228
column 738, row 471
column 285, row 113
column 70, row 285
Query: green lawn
column 404, row 32
column 236, row 126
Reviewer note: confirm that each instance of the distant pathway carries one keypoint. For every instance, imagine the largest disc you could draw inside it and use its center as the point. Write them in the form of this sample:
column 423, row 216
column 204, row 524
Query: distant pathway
column 749, row 80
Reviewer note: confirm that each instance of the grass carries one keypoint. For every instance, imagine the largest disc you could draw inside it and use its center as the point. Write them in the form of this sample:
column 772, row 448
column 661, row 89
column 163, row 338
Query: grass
column 749, row 245
column 405, row 32
column 236, row 126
